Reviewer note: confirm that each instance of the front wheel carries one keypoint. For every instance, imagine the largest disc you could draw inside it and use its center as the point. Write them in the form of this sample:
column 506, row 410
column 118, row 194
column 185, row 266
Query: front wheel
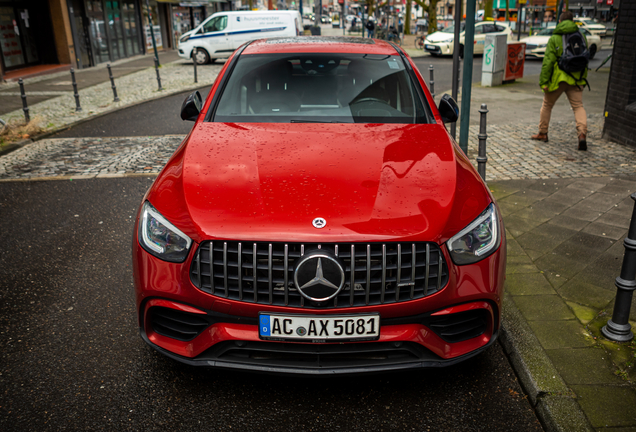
column 201, row 57
column 419, row 43
column 592, row 51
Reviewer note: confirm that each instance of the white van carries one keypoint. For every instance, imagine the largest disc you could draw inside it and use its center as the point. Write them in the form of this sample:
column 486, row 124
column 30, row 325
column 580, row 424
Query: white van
column 222, row 33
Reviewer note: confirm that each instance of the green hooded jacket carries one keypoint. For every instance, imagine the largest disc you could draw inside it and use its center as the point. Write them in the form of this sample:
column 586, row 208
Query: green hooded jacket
column 551, row 75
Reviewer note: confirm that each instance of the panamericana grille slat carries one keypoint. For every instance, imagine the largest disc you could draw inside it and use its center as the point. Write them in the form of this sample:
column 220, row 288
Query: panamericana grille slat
column 380, row 273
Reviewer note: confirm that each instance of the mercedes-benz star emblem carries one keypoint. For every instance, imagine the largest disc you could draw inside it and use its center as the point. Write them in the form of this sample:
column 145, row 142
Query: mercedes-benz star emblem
column 319, row 276
column 319, row 223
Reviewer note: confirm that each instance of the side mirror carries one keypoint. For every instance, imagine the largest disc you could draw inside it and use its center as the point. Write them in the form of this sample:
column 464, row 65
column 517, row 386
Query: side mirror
column 191, row 106
column 448, row 109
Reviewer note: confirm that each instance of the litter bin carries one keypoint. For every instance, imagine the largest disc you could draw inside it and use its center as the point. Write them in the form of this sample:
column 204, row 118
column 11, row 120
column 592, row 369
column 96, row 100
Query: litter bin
column 315, row 30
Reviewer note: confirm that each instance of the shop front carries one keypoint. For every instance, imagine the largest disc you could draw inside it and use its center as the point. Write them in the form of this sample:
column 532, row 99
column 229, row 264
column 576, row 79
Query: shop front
column 26, row 34
column 105, row 30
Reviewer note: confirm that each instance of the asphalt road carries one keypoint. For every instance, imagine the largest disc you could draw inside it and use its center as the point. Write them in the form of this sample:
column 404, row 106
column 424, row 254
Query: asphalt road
column 71, row 357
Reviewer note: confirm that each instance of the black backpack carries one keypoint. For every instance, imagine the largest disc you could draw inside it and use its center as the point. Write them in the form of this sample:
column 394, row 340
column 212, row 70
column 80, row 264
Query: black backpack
column 576, row 56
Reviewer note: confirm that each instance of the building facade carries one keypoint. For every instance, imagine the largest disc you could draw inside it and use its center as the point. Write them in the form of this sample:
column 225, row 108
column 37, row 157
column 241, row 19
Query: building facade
column 85, row 33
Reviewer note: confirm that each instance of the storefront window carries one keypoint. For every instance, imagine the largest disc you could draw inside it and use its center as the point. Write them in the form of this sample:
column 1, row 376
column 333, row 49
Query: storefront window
column 12, row 53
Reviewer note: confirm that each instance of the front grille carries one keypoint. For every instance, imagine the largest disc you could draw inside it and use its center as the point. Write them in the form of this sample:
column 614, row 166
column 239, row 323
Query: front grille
column 262, row 273
column 460, row 326
column 176, row 324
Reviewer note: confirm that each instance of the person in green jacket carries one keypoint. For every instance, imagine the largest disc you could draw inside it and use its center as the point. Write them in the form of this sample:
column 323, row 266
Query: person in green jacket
column 554, row 82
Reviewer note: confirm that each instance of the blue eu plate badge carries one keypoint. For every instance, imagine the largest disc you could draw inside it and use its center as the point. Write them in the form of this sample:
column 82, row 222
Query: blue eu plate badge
column 265, row 326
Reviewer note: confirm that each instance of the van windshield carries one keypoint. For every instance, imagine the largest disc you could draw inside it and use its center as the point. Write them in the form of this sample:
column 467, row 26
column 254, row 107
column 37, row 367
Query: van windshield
column 320, row 88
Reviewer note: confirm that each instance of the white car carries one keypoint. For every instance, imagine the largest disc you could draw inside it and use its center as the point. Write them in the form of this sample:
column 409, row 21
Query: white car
column 590, row 25
column 441, row 42
column 536, row 44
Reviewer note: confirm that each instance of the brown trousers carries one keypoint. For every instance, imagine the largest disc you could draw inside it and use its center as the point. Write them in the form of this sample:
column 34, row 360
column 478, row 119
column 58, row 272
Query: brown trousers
column 575, row 96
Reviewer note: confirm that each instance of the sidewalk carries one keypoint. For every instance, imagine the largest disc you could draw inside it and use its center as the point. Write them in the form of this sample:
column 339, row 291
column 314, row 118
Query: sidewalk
column 565, row 211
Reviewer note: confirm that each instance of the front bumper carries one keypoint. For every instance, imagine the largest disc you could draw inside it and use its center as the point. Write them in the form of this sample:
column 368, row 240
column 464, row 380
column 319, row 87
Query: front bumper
column 229, row 342
column 439, row 48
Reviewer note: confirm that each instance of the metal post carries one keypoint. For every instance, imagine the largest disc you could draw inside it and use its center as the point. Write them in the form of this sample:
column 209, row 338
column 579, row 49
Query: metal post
column 25, row 107
column 467, row 76
column 618, row 328
column 455, row 83
column 112, row 84
column 519, row 10
column 152, row 33
column 194, row 62
column 431, row 85
column 158, row 77
column 481, row 157
column 77, row 102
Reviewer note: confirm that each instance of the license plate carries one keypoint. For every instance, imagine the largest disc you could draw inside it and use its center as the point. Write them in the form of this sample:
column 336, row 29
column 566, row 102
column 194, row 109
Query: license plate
column 304, row 328
column 431, row 47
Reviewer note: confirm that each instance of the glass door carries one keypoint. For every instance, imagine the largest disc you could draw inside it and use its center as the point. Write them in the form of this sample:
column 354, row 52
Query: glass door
column 131, row 31
column 98, row 39
column 115, row 30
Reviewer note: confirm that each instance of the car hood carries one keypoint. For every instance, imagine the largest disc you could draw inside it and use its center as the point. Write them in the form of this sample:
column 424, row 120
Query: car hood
column 268, row 182
column 440, row 37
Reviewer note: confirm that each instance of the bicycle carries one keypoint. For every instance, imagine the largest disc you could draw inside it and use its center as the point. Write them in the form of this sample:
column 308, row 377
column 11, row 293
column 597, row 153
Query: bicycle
column 419, row 42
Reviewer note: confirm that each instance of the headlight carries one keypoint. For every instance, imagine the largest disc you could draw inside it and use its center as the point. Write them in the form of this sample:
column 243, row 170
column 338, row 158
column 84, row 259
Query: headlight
column 478, row 240
column 160, row 238
column 542, row 46
column 184, row 38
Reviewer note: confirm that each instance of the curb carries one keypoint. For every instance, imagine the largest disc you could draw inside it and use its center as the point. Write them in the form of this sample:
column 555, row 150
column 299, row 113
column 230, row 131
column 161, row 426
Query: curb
column 553, row 401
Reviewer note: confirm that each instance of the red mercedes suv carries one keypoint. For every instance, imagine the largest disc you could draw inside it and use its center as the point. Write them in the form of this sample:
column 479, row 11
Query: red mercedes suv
column 319, row 219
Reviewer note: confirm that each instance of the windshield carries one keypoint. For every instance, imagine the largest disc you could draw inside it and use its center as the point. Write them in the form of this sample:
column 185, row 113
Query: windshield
column 451, row 28
column 320, row 88
column 546, row 32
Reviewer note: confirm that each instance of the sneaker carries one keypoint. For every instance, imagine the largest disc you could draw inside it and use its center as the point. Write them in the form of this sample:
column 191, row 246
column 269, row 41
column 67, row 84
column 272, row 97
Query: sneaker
column 582, row 142
column 540, row 137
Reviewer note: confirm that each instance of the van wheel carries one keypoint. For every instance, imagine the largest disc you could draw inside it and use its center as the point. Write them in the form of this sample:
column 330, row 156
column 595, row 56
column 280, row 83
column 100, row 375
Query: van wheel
column 461, row 51
column 592, row 51
column 202, row 57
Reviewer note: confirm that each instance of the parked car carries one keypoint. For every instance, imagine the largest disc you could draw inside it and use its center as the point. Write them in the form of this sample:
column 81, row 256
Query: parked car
column 536, row 44
column 319, row 219
column 222, row 33
column 590, row 25
column 441, row 42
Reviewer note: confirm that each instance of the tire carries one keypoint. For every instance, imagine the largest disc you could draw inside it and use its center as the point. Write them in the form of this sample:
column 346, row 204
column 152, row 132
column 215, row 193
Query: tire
column 461, row 51
column 592, row 51
column 419, row 43
column 202, row 56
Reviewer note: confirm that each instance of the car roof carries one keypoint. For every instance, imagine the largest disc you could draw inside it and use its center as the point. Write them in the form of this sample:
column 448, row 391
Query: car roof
column 319, row 44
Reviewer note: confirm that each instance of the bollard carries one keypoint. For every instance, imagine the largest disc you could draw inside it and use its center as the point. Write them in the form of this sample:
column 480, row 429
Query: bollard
column 112, row 83
column 25, row 107
column 194, row 62
column 481, row 157
column 77, row 102
column 431, row 85
column 618, row 328
column 157, row 70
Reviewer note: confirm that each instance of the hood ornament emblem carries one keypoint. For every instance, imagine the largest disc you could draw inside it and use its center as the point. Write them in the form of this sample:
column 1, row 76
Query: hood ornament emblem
column 319, row 223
